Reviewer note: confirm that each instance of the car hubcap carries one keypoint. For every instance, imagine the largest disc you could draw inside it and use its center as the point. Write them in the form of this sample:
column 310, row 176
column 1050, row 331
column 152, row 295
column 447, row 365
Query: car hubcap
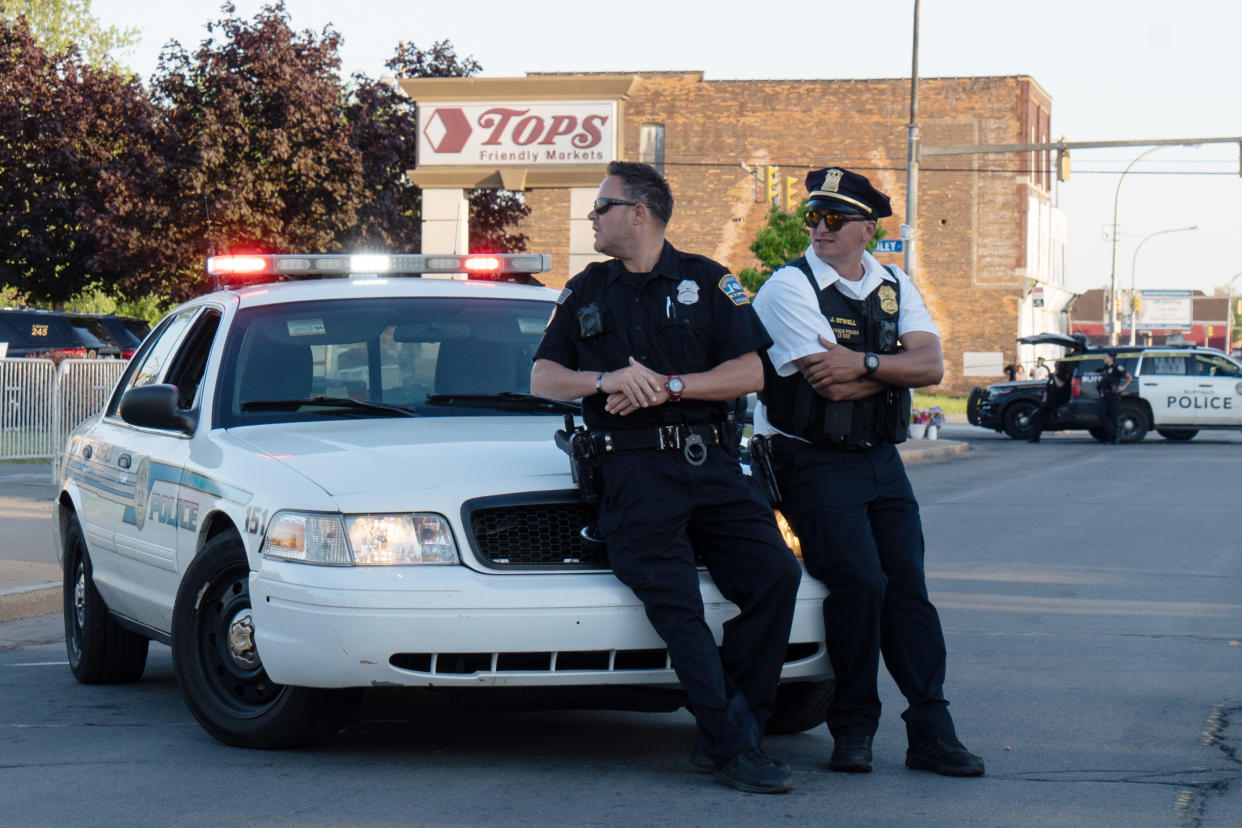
column 241, row 641
column 79, row 597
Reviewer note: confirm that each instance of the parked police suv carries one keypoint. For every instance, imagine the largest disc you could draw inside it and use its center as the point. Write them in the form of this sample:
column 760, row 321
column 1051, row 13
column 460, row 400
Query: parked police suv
column 327, row 476
column 1178, row 391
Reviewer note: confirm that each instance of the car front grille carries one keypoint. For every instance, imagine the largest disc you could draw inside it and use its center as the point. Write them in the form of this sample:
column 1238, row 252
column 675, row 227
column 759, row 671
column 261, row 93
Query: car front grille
column 537, row 530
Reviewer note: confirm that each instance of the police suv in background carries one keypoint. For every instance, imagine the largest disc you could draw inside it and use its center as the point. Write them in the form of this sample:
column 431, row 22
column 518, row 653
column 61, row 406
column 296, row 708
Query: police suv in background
column 1177, row 391
column 310, row 485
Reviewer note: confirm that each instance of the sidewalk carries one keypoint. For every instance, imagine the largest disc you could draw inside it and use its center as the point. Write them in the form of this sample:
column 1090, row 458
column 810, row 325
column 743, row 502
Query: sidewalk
column 30, row 574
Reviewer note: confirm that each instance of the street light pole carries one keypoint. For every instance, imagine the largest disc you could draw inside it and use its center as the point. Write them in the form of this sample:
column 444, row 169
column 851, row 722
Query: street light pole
column 1229, row 314
column 1134, row 263
column 1112, row 289
column 912, row 151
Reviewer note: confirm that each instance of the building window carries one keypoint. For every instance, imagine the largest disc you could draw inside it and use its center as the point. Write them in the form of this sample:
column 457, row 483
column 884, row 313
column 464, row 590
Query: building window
column 651, row 145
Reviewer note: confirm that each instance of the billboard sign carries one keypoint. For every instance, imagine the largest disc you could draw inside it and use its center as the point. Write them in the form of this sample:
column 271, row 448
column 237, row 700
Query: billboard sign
column 528, row 134
column 1164, row 310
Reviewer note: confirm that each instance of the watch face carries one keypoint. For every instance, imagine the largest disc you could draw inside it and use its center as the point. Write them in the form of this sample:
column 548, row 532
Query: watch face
column 676, row 385
column 872, row 362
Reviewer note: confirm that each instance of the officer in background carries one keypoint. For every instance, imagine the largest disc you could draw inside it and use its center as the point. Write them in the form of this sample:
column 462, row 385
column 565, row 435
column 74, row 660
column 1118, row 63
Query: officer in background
column 658, row 344
column 1114, row 380
column 1056, row 394
column 850, row 338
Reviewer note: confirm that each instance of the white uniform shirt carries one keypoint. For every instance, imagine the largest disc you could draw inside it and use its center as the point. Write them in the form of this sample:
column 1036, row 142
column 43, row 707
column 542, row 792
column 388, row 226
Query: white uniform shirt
column 790, row 312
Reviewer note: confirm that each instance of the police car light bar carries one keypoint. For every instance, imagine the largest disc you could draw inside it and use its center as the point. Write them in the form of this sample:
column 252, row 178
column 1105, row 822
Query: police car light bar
column 254, row 269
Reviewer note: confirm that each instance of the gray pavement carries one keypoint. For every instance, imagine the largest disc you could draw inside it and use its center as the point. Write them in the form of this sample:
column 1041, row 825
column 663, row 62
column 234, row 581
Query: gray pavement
column 30, row 574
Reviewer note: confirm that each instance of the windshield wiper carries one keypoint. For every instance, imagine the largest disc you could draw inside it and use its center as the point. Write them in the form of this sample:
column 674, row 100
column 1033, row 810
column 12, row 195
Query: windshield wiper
column 328, row 402
column 505, row 399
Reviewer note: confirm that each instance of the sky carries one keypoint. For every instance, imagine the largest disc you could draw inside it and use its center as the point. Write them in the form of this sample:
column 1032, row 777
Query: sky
column 1123, row 70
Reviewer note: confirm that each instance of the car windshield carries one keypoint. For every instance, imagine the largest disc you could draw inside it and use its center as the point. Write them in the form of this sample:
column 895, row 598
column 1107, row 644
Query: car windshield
column 408, row 356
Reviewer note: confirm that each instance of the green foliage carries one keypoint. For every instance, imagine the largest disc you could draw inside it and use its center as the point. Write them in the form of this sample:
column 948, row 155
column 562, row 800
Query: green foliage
column 783, row 239
column 12, row 297
column 59, row 24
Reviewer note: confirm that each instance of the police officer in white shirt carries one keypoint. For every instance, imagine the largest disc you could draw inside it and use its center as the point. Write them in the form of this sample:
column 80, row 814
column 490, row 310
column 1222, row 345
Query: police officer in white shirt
column 850, row 339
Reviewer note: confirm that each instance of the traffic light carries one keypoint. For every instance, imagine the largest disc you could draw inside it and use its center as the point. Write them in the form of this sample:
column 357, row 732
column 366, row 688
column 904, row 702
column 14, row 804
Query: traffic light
column 1063, row 165
column 1138, row 303
column 789, row 194
column 773, row 184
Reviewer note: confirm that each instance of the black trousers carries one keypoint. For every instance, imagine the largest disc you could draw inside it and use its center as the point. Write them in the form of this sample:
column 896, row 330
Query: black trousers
column 1110, row 408
column 656, row 511
column 1041, row 416
column 855, row 515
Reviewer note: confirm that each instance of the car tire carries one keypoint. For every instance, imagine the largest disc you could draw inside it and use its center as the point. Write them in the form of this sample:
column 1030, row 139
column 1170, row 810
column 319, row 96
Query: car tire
column 100, row 650
column 1018, row 419
column 1179, row 435
column 218, row 666
column 973, row 403
column 1132, row 423
column 800, row 706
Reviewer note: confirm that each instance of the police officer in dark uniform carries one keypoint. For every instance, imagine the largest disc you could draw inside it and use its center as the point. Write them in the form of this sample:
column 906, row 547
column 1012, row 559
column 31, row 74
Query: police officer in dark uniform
column 658, row 344
column 1114, row 379
column 1056, row 394
column 850, row 338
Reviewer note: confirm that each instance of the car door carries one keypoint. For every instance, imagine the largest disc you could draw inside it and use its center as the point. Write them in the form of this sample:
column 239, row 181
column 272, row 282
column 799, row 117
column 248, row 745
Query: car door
column 1218, row 383
column 143, row 466
column 1165, row 382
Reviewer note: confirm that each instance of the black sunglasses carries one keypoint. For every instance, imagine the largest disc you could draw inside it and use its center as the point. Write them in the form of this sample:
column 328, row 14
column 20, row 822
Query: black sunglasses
column 835, row 221
column 603, row 205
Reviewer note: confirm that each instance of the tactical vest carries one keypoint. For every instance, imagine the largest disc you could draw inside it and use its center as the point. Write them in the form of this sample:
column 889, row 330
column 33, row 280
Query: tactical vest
column 866, row 325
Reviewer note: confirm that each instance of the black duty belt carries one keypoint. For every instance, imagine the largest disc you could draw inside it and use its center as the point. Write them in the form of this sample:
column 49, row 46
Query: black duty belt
column 691, row 441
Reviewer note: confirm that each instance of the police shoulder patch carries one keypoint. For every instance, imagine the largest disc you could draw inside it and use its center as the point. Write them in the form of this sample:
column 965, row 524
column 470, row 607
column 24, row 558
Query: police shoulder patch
column 565, row 294
column 731, row 287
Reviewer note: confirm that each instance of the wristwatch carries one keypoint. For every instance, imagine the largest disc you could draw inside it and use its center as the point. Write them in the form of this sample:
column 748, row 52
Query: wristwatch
column 599, row 382
column 675, row 386
column 871, row 363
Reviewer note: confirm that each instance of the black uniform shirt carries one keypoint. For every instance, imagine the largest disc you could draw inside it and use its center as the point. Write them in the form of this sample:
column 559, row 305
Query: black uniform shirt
column 1111, row 378
column 685, row 317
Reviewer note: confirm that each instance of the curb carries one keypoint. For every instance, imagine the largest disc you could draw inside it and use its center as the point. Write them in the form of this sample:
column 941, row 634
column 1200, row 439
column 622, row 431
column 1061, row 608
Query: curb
column 923, row 451
column 27, row 602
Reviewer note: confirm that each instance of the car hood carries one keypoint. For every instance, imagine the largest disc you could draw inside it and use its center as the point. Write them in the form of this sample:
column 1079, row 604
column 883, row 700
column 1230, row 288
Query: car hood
column 476, row 455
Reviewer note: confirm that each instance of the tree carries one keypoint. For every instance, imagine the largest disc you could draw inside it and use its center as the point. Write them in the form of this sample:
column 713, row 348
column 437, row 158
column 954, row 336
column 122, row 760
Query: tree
column 59, row 24
column 66, row 129
column 385, row 132
column 783, row 239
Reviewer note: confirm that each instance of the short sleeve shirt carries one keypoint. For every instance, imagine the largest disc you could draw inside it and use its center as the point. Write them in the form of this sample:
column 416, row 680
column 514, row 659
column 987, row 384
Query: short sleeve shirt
column 685, row 317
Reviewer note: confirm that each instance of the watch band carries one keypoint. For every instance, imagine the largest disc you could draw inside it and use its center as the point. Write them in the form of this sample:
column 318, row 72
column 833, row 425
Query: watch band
column 871, row 364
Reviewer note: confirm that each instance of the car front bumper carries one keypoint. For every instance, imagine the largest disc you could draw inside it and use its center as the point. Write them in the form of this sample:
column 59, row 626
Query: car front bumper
column 450, row 626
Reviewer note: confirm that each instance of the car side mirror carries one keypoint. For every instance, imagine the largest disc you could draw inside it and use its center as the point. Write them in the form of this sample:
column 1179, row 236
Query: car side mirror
column 155, row 406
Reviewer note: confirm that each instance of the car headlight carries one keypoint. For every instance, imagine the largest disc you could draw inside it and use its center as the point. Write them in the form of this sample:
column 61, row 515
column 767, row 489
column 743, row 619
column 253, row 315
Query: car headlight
column 360, row 540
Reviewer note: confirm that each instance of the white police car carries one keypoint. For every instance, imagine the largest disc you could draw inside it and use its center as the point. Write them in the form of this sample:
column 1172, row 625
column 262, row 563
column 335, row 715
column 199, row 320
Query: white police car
column 308, row 486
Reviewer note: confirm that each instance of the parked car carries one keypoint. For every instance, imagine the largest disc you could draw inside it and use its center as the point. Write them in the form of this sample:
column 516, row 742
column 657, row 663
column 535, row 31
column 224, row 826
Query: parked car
column 34, row 332
column 126, row 332
column 1178, row 391
column 317, row 486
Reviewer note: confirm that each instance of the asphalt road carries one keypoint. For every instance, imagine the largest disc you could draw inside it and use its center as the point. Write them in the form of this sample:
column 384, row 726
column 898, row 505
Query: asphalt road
column 1092, row 603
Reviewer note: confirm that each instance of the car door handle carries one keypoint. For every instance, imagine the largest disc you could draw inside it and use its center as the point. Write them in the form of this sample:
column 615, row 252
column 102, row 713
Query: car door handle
column 123, row 461
column 87, row 452
column 1205, row 385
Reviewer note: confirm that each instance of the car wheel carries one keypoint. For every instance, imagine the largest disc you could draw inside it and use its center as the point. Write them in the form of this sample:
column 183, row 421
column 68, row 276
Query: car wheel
column 100, row 650
column 1132, row 425
column 1018, row 419
column 973, row 402
column 218, row 666
column 1178, row 434
column 800, row 706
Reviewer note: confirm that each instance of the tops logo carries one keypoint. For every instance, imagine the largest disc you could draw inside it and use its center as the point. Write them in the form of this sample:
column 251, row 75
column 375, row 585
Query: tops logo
column 550, row 133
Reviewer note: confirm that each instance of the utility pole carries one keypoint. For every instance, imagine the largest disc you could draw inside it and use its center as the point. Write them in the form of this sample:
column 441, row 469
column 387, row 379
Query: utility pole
column 912, row 152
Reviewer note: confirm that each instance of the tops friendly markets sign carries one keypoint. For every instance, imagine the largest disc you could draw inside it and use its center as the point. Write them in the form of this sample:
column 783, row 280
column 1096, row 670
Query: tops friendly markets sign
column 539, row 133
column 1165, row 310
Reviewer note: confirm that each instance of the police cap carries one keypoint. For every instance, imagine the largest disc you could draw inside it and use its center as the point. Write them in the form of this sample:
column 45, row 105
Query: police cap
column 847, row 192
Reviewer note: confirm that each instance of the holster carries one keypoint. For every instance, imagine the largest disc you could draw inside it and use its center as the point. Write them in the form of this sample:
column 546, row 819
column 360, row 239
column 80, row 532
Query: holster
column 584, row 459
column 763, row 470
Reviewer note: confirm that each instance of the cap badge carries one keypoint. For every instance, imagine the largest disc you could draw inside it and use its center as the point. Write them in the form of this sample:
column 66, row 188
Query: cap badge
column 888, row 299
column 832, row 180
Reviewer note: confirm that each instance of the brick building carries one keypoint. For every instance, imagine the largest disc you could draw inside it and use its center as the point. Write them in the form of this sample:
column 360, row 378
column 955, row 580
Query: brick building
column 990, row 255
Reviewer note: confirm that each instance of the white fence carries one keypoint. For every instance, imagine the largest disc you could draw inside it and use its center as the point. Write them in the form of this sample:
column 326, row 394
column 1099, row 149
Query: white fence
column 43, row 402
